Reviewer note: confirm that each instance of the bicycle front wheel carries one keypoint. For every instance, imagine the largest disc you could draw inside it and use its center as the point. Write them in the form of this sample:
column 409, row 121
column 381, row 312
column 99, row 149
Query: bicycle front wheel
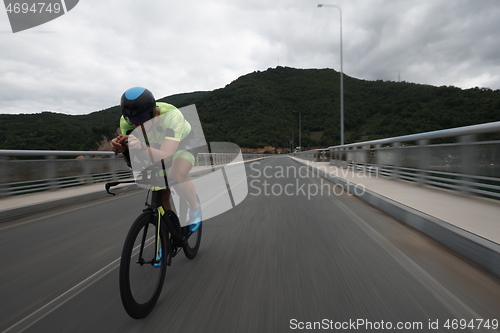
column 143, row 266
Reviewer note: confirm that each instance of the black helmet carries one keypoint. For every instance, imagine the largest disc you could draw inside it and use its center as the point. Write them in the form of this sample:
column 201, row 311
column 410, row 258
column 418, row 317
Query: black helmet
column 136, row 101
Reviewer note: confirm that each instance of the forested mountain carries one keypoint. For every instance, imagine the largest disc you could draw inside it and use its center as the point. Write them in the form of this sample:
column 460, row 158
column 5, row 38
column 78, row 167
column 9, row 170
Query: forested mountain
column 256, row 110
column 56, row 131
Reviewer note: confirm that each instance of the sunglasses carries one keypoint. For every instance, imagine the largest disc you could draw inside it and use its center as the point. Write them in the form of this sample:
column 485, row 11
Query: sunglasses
column 139, row 119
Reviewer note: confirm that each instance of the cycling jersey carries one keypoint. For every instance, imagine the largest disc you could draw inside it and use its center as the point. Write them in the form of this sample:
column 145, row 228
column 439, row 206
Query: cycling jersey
column 170, row 125
column 173, row 126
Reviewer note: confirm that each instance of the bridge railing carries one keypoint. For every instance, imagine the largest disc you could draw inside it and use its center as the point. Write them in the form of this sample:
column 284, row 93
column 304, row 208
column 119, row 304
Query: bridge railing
column 465, row 159
column 40, row 170
column 204, row 159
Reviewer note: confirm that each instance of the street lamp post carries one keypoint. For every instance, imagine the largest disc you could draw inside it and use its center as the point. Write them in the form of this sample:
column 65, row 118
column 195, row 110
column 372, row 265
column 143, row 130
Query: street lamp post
column 300, row 131
column 341, row 75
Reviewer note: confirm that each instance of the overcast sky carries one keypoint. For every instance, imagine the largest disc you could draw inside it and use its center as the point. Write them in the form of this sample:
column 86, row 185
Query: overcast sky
column 84, row 60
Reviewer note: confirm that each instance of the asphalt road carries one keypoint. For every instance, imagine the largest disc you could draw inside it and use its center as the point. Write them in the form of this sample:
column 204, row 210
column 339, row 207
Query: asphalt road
column 293, row 253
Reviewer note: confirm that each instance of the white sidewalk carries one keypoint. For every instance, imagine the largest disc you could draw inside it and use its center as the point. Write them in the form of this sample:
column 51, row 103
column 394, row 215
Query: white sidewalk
column 477, row 215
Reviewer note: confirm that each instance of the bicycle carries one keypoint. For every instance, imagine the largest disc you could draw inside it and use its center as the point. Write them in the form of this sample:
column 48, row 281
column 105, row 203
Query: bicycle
column 155, row 237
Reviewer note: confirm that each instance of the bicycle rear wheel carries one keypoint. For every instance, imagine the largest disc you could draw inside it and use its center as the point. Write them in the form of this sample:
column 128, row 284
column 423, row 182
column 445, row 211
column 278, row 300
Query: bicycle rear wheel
column 140, row 281
column 192, row 242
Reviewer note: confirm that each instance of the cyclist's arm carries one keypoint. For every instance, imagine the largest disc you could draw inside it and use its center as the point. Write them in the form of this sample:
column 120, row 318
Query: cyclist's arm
column 166, row 151
column 119, row 143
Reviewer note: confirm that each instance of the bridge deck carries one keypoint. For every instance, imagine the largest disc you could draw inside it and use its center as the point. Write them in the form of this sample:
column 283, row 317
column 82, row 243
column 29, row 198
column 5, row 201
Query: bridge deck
column 476, row 215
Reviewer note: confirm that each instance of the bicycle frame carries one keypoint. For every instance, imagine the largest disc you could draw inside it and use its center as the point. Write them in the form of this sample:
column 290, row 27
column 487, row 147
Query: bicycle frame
column 169, row 240
column 157, row 210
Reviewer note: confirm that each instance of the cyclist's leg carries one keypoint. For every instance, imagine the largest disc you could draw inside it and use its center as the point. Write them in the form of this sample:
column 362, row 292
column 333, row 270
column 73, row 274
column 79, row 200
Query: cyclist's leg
column 182, row 163
column 166, row 199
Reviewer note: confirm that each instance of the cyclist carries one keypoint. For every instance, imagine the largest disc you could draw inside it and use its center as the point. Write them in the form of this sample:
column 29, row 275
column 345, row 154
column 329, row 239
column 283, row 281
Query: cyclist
column 169, row 137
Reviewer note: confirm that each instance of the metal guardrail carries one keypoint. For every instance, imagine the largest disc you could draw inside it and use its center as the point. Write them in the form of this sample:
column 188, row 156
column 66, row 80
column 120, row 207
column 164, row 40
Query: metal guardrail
column 22, row 176
column 6, row 152
column 17, row 188
column 459, row 159
column 204, row 159
column 44, row 171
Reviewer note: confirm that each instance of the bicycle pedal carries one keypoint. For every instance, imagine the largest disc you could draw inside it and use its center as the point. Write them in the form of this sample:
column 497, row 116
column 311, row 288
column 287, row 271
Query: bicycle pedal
column 175, row 250
column 179, row 244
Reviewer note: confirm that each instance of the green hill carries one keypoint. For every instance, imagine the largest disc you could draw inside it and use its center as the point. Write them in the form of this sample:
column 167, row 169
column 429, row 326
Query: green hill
column 55, row 131
column 256, row 110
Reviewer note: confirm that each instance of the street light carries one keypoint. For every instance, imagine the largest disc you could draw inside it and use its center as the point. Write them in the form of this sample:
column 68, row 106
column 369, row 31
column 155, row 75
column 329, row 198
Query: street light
column 300, row 131
column 341, row 75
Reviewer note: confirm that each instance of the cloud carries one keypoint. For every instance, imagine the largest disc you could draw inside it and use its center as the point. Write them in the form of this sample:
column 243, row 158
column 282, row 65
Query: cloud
column 83, row 61
column 431, row 42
